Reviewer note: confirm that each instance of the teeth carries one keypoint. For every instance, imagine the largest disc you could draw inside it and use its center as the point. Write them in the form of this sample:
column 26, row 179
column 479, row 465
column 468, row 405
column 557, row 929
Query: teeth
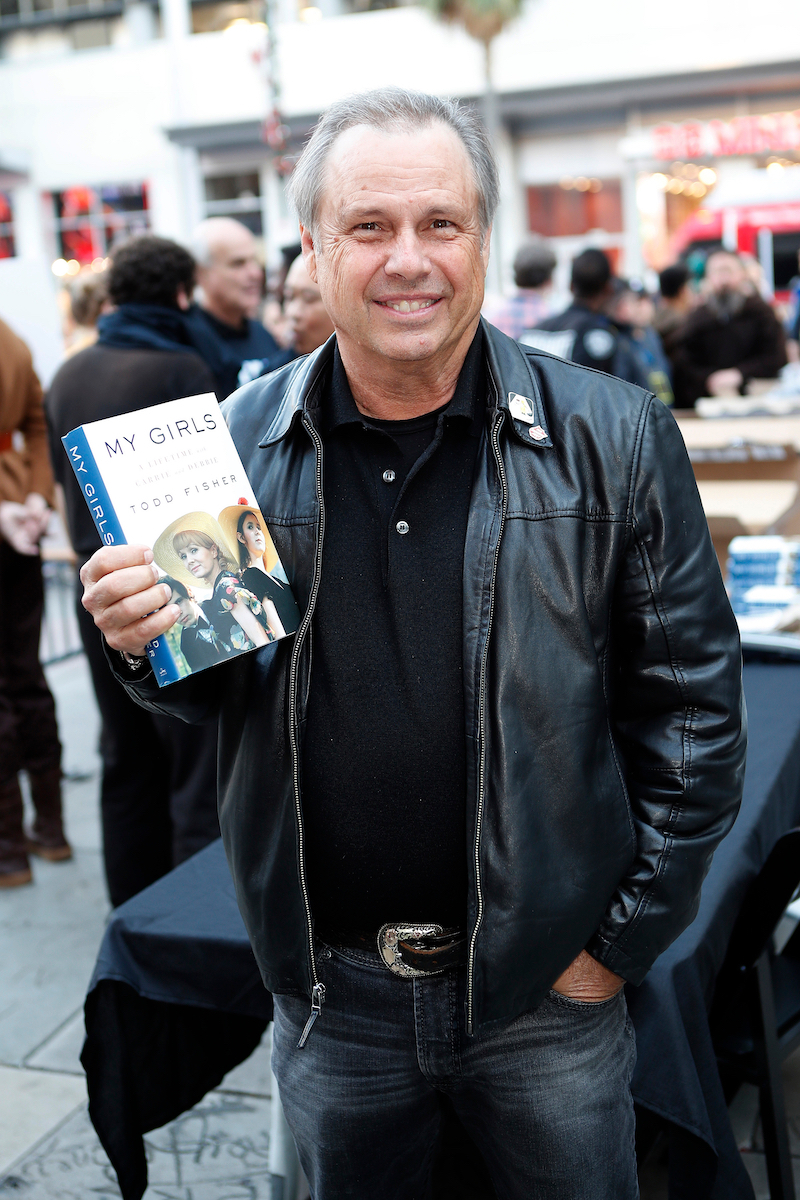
column 411, row 305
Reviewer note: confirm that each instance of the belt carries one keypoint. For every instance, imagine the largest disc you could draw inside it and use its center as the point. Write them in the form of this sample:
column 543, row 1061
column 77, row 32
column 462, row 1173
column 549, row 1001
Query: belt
column 408, row 949
column 6, row 442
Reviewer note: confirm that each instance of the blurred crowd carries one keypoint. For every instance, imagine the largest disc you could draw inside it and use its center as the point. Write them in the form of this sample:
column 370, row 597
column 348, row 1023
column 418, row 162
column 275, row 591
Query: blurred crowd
column 163, row 321
column 721, row 334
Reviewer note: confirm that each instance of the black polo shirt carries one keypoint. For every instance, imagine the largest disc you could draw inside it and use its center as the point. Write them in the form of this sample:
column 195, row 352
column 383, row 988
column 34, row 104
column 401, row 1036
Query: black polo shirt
column 384, row 753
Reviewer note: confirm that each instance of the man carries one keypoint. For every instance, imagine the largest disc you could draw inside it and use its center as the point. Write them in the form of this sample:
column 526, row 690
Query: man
column 490, row 795
column 28, row 729
column 730, row 339
column 534, row 264
column 675, row 303
column 308, row 322
column 223, row 327
column 158, row 793
column 199, row 641
column 582, row 333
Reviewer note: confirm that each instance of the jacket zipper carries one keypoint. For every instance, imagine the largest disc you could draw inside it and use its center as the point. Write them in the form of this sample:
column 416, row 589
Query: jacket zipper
column 495, row 440
column 318, row 989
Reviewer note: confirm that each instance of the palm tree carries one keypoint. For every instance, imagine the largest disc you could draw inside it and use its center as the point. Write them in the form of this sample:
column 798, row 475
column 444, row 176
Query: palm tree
column 483, row 20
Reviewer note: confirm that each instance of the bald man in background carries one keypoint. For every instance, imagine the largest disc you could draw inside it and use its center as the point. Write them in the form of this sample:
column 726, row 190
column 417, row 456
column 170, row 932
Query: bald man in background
column 223, row 326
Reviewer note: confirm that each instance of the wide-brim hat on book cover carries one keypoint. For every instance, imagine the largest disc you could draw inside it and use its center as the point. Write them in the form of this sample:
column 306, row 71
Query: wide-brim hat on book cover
column 229, row 520
column 166, row 555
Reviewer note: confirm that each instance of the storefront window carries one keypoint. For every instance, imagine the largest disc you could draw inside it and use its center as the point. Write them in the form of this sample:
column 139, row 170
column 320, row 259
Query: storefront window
column 575, row 206
column 236, row 196
column 7, row 248
column 90, row 220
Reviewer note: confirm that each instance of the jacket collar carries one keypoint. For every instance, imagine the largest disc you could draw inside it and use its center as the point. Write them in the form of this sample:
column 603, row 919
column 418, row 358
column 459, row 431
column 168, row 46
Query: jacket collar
column 516, row 388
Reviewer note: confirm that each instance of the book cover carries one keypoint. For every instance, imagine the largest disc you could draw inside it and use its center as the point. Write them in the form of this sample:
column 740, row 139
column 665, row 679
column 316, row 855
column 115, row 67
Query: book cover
column 170, row 477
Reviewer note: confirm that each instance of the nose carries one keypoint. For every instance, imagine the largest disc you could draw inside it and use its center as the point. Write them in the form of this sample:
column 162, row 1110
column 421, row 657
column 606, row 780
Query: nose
column 408, row 258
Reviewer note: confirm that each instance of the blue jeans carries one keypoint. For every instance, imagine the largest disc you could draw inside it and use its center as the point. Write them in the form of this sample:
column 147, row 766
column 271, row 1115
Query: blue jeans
column 546, row 1098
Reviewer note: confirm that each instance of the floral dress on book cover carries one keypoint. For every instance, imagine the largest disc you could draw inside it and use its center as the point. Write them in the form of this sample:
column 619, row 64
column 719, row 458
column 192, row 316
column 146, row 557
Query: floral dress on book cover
column 227, row 590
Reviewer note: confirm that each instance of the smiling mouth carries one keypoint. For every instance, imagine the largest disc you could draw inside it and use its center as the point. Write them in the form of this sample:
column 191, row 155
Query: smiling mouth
column 408, row 306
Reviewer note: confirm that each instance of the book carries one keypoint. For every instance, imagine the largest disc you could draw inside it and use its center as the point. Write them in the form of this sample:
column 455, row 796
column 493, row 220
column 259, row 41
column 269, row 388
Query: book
column 170, row 477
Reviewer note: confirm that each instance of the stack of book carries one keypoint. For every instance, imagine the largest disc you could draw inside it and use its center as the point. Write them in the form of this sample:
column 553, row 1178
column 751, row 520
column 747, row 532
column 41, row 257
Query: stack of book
column 764, row 582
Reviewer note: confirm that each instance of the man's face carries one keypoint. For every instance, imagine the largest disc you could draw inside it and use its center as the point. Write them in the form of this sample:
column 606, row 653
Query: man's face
column 397, row 250
column 187, row 607
column 309, row 323
column 232, row 283
column 724, row 273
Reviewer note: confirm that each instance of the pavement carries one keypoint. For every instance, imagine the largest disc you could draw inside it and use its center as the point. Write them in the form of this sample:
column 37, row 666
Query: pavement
column 49, row 936
column 50, row 933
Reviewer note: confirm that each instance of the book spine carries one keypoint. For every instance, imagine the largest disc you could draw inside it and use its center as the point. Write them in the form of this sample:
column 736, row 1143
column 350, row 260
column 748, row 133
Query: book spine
column 107, row 523
column 94, row 490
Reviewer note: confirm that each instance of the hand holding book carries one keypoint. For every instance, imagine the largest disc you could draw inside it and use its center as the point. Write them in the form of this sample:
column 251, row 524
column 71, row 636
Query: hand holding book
column 128, row 604
column 188, row 568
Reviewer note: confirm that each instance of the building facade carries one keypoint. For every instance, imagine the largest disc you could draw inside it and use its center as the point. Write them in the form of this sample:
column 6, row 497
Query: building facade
column 618, row 123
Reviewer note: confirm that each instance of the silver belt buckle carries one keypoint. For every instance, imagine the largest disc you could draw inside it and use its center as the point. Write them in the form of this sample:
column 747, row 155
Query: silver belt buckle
column 389, row 938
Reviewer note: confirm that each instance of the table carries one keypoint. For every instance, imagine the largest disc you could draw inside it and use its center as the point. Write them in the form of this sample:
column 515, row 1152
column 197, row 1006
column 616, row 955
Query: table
column 163, row 1028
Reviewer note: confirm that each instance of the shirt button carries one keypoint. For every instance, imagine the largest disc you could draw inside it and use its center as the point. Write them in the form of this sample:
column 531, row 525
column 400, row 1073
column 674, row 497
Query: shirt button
column 402, row 527
column 389, row 476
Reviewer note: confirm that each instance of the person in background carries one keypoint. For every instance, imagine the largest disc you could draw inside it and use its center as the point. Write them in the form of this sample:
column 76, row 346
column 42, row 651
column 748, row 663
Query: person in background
column 640, row 356
column 729, row 339
column 676, row 301
column 28, row 730
column 158, row 788
column 534, row 264
column 223, row 326
column 273, row 314
column 308, row 322
column 85, row 297
column 583, row 332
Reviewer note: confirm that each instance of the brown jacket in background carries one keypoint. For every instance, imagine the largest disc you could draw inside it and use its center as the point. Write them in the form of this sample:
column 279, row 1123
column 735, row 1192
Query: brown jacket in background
column 26, row 469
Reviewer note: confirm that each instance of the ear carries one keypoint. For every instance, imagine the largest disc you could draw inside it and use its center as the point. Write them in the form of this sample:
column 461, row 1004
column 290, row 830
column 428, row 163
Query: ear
column 309, row 253
column 240, row 537
column 182, row 298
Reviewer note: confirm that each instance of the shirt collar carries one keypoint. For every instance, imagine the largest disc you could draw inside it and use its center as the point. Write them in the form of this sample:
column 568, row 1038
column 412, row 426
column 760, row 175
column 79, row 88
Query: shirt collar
column 468, row 402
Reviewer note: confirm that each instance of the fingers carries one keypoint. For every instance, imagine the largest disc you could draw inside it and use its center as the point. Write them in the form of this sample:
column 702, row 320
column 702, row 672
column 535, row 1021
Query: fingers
column 112, row 558
column 122, row 594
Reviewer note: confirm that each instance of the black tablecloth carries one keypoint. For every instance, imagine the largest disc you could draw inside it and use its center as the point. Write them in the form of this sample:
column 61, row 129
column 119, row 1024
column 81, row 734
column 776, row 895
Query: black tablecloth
column 676, row 1076
column 176, row 1001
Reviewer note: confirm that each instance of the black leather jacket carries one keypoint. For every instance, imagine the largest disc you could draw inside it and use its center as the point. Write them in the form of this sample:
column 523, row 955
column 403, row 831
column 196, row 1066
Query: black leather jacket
column 605, row 726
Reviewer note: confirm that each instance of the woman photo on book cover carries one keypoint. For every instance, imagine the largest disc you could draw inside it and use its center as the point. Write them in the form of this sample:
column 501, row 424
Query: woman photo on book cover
column 193, row 550
column 244, row 528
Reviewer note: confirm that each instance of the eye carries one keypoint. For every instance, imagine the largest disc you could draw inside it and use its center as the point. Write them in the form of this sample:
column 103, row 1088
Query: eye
column 368, row 226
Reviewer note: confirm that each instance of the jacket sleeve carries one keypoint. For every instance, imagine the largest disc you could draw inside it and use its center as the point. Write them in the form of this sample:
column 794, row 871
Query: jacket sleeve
column 771, row 355
column 192, row 699
column 676, row 700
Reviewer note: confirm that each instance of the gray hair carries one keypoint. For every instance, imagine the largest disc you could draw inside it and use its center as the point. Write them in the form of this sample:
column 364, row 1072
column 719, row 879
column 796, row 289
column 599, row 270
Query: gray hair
column 392, row 109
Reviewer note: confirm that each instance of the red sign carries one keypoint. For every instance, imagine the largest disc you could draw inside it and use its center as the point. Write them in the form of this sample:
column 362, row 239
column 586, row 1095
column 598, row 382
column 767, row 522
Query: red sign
column 766, row 134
